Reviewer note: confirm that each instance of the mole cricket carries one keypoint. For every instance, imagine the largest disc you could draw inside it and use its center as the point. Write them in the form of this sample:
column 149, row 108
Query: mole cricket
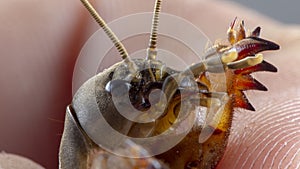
column 149, row 106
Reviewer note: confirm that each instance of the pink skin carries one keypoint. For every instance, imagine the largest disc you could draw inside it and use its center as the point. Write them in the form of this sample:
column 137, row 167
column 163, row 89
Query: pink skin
column 41, row 40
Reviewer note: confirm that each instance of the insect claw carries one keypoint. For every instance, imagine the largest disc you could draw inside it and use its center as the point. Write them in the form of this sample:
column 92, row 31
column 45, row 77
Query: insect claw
column 231, row 32
column 242, row 23
column 242, row 32
column 246, row 62
column 241, row 101
column 258, row 86
column 253, row 45
column 247, row 82
column 265, row 44
column 264, row 66
column 256, row 32
column 233, row 23
column 249, row 106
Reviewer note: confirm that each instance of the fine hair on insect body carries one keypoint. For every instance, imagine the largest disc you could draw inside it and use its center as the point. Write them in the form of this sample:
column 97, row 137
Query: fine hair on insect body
column 141, row 113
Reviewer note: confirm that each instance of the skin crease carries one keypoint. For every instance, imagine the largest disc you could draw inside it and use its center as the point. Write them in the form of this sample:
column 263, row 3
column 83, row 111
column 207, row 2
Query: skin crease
column 40, row 41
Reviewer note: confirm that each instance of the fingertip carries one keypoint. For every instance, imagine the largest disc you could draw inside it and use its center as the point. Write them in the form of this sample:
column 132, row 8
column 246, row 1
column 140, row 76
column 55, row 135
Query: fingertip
column 12, row 161
column 268, row 138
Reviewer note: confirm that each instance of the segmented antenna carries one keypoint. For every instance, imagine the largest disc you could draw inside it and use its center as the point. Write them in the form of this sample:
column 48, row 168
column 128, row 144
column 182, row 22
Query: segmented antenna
column 153, row 36
column 121, row 49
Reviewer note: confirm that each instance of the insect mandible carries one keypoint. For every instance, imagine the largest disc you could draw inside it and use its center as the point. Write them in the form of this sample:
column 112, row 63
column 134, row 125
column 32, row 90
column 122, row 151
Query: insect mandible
column 152, row 115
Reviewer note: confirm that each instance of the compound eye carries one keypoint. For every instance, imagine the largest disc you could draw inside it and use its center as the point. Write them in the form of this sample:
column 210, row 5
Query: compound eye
column 118, row 87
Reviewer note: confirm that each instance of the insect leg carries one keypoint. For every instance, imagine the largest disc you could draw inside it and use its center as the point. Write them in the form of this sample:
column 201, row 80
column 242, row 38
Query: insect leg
column 216, row 128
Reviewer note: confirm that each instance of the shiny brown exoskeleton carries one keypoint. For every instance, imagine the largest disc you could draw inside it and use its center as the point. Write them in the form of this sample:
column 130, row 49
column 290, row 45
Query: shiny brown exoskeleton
column 188, row 91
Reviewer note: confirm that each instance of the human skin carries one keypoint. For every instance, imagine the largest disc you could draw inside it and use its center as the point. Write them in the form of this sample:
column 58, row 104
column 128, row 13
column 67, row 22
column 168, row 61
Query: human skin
column 40, row 42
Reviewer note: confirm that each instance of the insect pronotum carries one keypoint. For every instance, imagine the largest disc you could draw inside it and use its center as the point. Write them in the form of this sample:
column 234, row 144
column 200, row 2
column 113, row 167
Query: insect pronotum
column 135, row 81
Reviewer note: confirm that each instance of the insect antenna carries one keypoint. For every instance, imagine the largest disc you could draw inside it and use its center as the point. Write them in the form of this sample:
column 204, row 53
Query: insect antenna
column 120, row 47
column 151, row 51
